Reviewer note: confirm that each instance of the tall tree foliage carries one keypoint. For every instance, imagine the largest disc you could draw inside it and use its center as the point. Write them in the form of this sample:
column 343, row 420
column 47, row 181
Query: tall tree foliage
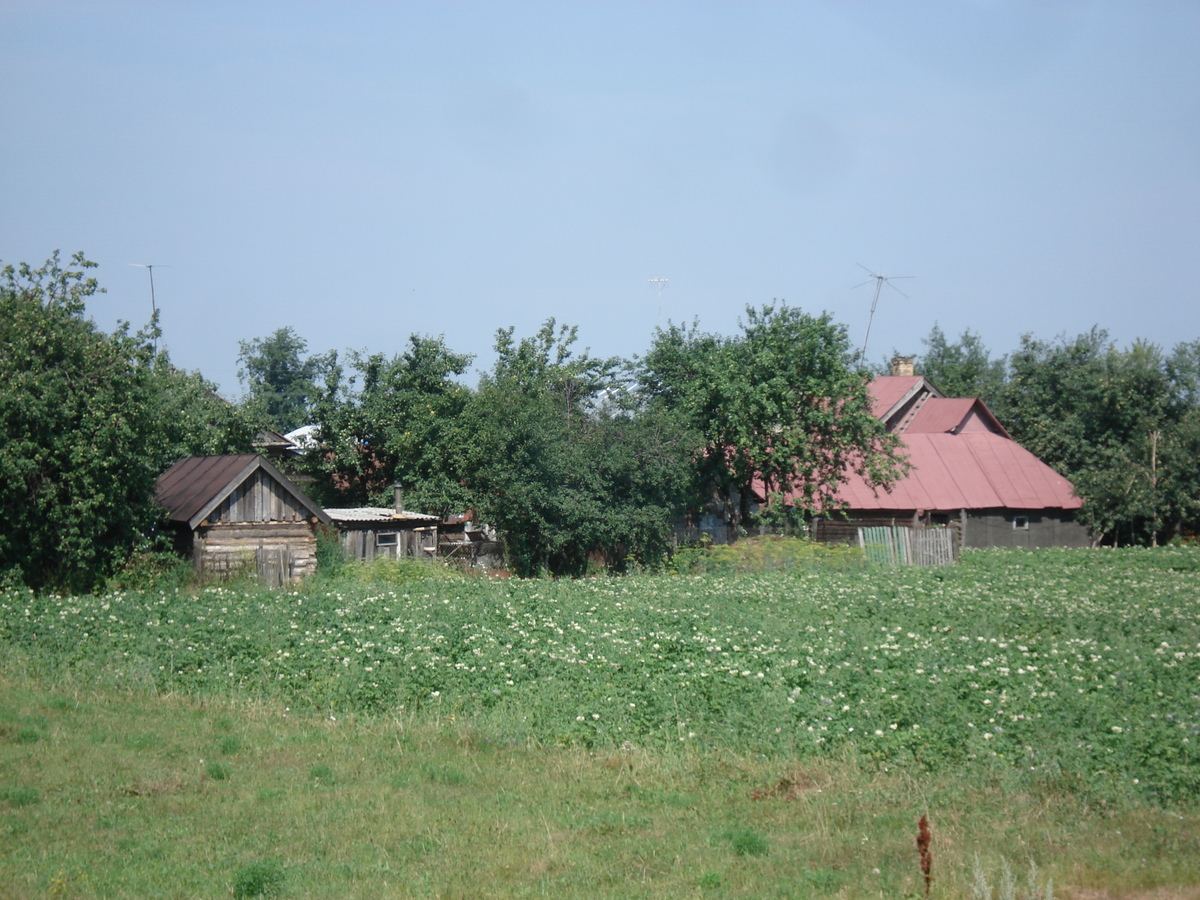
column 1121, row 424
column 963, row 368
column 782, row 411
column 282, row 381
column 394, row 420
column 557, row 461
column 89, row 422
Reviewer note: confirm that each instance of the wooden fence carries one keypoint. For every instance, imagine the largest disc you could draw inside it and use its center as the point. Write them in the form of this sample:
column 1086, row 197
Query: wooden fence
column 898, row 546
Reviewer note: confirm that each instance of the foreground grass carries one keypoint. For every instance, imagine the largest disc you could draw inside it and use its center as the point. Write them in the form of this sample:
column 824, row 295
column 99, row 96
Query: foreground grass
column 107, row 793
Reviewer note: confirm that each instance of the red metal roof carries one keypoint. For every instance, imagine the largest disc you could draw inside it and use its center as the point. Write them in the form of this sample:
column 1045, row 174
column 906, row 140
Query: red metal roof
column 977, row 470
column 888, row 390
column 945, row 414
column 961, row 457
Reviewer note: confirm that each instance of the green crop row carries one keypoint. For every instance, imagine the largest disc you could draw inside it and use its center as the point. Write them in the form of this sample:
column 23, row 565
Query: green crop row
column 1077, row 668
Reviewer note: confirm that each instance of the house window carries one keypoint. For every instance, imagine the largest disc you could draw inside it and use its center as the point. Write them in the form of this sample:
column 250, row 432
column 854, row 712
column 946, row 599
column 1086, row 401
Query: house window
column 1020, row 523
column 387, row 545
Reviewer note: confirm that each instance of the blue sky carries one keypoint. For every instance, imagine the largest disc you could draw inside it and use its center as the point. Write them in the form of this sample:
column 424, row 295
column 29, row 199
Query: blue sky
column 364, row 171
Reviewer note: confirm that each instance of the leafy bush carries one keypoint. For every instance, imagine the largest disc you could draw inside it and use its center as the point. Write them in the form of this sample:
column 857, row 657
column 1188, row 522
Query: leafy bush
column 153, row 571
column 746, row 841
column 768, row 553
column 331, row 558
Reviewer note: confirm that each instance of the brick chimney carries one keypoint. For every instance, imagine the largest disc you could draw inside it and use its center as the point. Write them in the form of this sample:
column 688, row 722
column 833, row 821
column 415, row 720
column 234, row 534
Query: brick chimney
column 902, row 365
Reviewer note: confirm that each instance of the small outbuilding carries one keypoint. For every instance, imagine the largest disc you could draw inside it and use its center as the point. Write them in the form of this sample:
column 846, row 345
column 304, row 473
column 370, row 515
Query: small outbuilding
column 368, row 532
column 233, row 512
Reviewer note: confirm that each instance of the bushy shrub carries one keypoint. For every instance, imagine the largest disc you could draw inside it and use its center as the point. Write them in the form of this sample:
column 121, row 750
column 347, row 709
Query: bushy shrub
column 768, row 553
column 153, row 571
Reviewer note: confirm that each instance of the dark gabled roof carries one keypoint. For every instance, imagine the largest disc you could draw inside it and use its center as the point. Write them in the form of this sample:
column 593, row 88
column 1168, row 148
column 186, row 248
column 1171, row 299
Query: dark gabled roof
column 196, row 485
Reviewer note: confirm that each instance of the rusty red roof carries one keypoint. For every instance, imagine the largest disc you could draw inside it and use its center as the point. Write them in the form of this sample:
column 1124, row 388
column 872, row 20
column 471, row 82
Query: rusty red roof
column 961, row 457
column 889, row 392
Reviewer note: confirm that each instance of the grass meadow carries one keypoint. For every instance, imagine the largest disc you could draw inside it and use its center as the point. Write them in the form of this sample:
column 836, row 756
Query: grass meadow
column 389, row 733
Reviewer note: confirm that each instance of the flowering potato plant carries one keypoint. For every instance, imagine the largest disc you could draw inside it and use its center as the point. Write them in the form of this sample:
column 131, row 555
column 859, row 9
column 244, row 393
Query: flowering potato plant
column 1077, row 668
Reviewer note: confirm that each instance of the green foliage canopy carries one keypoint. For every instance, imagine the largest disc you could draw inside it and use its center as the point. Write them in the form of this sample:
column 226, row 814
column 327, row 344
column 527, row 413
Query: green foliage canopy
column 556, row 458
column 283, row 383
column 781, row 410
column 89, row 422
column 963, row 368
column 1123, row 425
column 393, row 421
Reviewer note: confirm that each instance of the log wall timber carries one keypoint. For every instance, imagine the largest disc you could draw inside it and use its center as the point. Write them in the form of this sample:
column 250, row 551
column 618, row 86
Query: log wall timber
column 279, row 553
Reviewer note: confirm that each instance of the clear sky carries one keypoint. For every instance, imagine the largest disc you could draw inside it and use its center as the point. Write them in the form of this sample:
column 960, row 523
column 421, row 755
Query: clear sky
column 363, row 171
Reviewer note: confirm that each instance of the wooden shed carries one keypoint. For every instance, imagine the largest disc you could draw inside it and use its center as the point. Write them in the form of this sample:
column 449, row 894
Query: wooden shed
column 368, row 532
column 234, row 512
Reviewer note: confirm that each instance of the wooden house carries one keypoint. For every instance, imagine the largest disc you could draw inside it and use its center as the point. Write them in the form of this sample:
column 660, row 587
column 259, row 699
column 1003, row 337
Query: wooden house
column 967, row 473
column 368, row 532
column 231, row 513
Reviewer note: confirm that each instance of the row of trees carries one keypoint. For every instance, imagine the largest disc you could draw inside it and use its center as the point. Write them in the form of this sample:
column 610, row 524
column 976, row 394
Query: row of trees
column 575, row 458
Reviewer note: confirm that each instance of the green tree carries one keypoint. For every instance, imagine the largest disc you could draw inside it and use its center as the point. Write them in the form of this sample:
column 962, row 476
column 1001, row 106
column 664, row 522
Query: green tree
column 90, row 420
column 393, row 421
column 558, row 459
column 781, row 409
column 1121, row 424
column 192, row 418
column 282, row 382
column 963, row 368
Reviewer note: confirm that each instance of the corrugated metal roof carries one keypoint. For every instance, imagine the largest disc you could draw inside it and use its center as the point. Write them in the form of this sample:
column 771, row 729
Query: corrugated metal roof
column 187, row 486
column 376, row 514
column 957, row 415
column 961, row 457
column 197, row 483
column 889, row 392
column 978, row 470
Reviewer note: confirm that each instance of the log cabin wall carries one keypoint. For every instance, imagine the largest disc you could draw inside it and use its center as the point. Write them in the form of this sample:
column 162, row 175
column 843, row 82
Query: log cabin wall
column 279, row 553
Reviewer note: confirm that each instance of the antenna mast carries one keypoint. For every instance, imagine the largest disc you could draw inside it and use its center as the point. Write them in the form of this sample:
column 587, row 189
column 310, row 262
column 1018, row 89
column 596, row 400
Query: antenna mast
column 149, row 267
column 879, row 282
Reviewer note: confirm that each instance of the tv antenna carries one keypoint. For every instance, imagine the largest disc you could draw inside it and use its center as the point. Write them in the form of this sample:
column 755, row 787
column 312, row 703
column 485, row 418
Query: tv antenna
column 149, row 267
column 659, row 282
column 879, row 280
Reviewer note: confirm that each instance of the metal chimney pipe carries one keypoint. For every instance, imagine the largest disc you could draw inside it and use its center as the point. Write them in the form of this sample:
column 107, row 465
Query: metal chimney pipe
column 397, row 499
